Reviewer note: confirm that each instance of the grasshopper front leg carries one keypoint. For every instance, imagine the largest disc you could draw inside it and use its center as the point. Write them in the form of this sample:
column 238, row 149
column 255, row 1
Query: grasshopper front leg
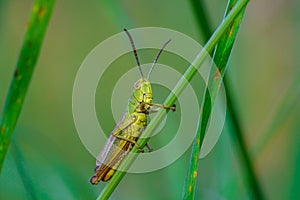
column 173, row 108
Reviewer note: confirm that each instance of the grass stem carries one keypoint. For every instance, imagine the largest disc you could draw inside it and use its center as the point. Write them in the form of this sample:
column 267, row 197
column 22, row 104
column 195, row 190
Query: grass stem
column 25, row 177
column 221, row 57
column 32, row 42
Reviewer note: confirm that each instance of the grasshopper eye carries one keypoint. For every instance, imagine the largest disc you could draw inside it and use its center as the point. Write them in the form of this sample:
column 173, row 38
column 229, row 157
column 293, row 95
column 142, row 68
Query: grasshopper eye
column 137, row 85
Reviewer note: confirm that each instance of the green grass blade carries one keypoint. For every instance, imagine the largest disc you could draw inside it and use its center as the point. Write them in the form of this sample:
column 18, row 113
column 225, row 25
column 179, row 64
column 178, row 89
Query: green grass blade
column 25, row 177
column 36, row 28
column 112, row 184
column 221, row 57
column 240, row 143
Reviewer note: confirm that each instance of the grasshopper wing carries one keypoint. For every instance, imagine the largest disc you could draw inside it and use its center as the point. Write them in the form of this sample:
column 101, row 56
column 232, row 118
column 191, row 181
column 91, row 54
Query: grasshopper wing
column 114, row 152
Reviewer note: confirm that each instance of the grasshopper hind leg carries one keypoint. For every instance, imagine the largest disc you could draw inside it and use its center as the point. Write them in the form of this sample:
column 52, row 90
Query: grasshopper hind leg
column 130, row 140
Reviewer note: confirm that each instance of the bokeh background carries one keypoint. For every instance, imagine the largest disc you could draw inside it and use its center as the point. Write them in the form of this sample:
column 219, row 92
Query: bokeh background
column 46, row 159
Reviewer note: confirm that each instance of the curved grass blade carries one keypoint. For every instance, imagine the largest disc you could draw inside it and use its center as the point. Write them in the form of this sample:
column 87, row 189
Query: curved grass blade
column 221, row 57
column 188, row 75
column 32, row 42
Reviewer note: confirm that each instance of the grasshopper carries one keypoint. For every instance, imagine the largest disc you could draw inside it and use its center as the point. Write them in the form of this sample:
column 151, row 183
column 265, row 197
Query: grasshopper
column 131, row 125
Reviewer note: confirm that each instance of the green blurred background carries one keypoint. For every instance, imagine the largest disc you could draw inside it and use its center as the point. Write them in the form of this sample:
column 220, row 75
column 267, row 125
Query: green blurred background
column 263, row 72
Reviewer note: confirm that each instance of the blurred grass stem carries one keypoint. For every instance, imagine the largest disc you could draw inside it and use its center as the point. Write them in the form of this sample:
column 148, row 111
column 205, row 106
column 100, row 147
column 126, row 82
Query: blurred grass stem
column 29, row 53
column 23, row 172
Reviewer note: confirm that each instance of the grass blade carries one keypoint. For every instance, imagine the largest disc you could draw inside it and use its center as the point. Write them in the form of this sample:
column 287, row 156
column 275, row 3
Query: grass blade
column 25, row 177
column 36, row 28
column 221, row 57
column 112, row 184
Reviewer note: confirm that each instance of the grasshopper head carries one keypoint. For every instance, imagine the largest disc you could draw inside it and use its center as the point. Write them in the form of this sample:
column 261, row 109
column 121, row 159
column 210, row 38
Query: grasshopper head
column 143, row 90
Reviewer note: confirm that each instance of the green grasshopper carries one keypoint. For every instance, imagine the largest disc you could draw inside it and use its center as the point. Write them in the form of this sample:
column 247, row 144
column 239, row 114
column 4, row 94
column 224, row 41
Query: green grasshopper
column 131, row 125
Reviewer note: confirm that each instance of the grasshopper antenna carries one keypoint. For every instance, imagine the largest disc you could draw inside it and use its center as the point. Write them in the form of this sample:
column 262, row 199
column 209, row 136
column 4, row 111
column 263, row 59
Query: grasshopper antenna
column 157, row 56
column 134, row 51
